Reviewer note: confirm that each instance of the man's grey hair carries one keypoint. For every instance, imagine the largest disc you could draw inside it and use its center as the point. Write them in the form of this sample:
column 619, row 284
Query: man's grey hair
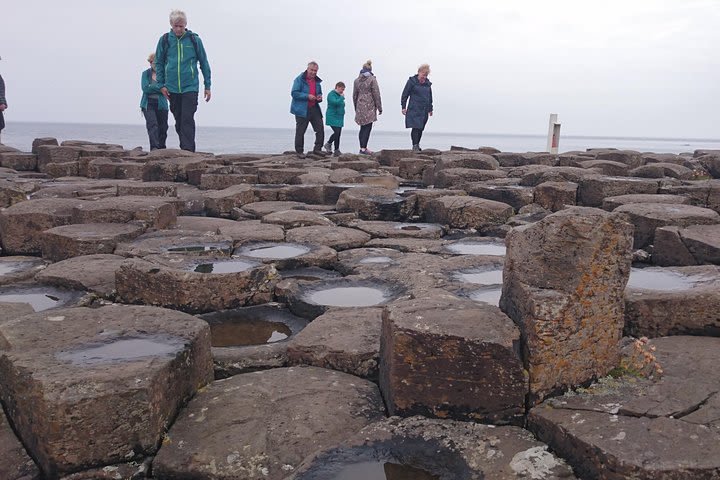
column 178, row 16
column 313, row 62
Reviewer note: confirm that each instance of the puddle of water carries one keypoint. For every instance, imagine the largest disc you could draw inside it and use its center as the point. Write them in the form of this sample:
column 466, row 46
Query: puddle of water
column 348, row 297
column 367, row 260
column 124, row 349
column 6, row 268
column 383, row 471
column 199, row 248
column 490, row 295
column 410, row 228
column 485, row 248
column 237, row 333
column 666, row 281
column 489, row 277
column 276, row 252
column 310, row 273
column 232, row 266
column 38, row 301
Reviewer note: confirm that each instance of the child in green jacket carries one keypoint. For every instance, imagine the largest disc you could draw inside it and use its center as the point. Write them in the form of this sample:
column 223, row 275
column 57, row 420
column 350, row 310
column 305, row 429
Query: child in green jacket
column 335, row 116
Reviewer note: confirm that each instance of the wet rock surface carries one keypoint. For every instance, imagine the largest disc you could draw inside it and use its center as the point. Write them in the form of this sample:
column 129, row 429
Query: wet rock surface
column 117, row 375
column 326, row 244
column 264, row 424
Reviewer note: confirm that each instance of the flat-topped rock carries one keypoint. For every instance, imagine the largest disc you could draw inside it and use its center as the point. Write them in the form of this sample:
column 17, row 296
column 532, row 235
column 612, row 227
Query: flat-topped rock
column 220, row 203
column 264, row 424
column 451, row 358
column 22, row 224
column 694, row 245
column 555, row 196
column 630, row 158
column 647, row 217
column 94, row 273
column 296, row 218
column 514, row 195
column 458, row 177
column 466, row 212
column 630, row 428
column 511, row 159
column 176, row 241
column 663, row 301
column 67, row 241
column 238, row 231
column 660, row 170
column 611, row 203
column 593, row 190
column 344, row 340
column 606, row 167
column 172, row 168
column 421, row 448
column 287, row 255
column 260, row 209
column 398, row 229
column 116, row 376
column 194, row 284
column 376, row 203
column 157, row 212
column 338, row 238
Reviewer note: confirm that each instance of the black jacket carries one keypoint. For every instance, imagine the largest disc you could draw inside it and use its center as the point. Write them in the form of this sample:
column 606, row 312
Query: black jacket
column 421, row 102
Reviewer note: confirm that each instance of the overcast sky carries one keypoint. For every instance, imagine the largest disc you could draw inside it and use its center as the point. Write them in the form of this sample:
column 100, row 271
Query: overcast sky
column 617, row 68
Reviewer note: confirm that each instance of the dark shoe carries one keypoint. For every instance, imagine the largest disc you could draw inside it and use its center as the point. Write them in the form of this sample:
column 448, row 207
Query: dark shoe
column 301, row 155
column 327, row 147
column 319, row 153
column 337, row 153
column 416, row 148
column 365, row 152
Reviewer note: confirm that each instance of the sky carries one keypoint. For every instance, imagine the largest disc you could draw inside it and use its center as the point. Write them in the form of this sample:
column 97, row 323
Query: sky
column 611, row 68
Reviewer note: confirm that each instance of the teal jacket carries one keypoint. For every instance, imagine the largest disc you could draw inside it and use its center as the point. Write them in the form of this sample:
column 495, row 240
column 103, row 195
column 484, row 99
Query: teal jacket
column 151, row 88
column 299, row 93
column 177, row 68
column 335, row 116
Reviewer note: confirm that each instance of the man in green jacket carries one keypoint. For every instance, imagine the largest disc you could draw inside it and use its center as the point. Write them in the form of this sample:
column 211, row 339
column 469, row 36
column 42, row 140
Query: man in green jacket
column 177, row 55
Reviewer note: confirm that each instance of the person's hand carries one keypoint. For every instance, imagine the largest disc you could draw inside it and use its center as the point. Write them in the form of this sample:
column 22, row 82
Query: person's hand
column 319, row 98
column 404, row 111
column 165, row 92
column 430, row 113
column 207, row 95
column 2, row 107
column 311, row 96
column 379, row 112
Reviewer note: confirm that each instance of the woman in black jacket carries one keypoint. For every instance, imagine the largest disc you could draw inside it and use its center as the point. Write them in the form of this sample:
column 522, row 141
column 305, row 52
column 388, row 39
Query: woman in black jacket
column 419, row 90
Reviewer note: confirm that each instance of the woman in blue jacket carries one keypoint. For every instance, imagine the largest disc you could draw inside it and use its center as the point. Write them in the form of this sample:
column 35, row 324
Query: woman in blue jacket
column 419, row 90
column 154, row 106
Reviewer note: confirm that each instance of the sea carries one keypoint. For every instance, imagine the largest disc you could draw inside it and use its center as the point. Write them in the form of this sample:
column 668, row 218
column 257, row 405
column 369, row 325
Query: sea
column 219, row 140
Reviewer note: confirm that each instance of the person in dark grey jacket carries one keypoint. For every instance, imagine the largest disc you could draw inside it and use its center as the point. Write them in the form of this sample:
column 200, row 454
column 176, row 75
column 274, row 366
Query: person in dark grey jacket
column 3, row 105
column 418, row 90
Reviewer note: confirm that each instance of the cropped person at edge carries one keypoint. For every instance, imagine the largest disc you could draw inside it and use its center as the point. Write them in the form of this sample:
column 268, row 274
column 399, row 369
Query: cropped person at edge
column 177, row 56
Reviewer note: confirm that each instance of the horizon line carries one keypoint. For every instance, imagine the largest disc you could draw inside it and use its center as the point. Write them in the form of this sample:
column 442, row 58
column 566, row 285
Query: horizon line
column 535, row 135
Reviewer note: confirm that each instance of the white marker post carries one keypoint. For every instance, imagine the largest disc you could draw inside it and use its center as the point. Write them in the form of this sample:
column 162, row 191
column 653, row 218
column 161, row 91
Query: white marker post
column 553, row 141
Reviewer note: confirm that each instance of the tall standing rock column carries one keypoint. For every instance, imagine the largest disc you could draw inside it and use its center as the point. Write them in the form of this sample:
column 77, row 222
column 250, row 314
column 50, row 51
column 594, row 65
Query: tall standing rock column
column 563, row 285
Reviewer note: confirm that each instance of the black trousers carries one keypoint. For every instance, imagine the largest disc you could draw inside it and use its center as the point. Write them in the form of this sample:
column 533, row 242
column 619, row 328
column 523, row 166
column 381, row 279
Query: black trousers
column 364, row 134
column 314, row 118
column 156, row 122
column 183, row 107
column 416, row 135
column 335, row 137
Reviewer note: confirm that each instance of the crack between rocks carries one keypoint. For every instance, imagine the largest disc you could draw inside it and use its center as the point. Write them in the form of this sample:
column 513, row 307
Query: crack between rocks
column 693, row 408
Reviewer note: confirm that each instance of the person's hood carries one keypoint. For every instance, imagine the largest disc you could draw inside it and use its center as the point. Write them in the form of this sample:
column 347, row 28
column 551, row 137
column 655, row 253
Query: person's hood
column 416, row 80
column 304, row 77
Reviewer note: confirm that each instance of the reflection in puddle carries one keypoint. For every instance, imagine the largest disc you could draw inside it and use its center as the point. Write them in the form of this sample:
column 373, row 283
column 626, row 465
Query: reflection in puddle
column 231, row 266
column 662, row 280
column 276, row 252
column 310, row 274
column 488, row 277
column 490, row 295
column 230, row 333
column 39, row 297
column 376, row 260
column 479, row 248
column 348, row 297
column 6, row 268
column 124, row 350
column 383, row 471
column 200, row 248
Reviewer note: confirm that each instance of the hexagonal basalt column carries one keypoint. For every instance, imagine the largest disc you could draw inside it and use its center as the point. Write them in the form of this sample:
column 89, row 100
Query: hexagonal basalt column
column 447, row 357
column 88, row 387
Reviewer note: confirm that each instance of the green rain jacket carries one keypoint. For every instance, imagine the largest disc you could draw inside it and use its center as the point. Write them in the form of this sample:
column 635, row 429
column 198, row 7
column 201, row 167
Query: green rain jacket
column 177, row 68
column 151, row 88
column 335, row 115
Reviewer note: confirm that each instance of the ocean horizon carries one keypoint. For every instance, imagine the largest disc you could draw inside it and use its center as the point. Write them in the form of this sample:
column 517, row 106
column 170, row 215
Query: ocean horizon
column 220, row 140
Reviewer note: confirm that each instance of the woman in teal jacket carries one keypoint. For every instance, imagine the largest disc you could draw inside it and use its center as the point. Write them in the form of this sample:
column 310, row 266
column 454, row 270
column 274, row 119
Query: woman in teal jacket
column 154, row 106
column 335, row 117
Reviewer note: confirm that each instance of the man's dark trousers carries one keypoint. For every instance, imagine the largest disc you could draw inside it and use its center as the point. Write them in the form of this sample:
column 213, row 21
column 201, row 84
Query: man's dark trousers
column 315, row 119
column 183, row 107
